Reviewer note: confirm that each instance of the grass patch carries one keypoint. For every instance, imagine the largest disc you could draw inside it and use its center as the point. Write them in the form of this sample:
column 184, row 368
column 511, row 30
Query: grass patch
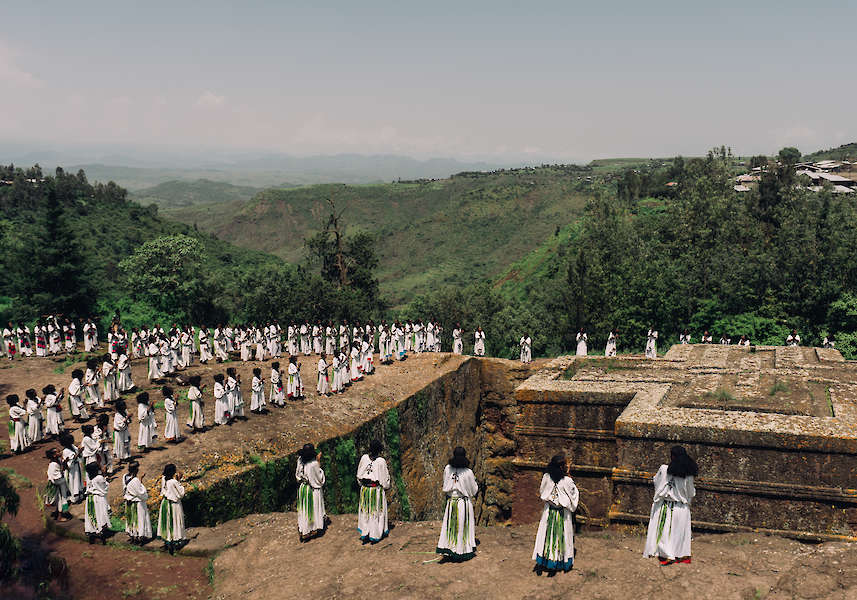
column 720, row 395
column 117, row 523
column 779, row 386
column 209, row 571
column 18, row 481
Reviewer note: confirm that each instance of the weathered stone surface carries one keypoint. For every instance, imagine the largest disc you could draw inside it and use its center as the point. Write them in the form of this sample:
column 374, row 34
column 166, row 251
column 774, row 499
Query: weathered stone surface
column 774, row 430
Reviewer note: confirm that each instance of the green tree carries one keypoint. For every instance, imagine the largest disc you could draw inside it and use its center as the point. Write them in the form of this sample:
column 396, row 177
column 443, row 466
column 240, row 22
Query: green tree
column 167, row 273
column 789, row 155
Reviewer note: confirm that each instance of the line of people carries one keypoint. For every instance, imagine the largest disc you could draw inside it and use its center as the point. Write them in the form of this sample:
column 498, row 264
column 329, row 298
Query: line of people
column 668, row 535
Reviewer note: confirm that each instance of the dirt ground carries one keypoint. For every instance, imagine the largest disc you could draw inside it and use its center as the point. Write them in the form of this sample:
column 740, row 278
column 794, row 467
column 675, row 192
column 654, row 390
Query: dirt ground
column 267, row 561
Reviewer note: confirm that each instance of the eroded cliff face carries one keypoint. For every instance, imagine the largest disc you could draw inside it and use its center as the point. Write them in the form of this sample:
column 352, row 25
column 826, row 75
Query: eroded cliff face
column 471, row 406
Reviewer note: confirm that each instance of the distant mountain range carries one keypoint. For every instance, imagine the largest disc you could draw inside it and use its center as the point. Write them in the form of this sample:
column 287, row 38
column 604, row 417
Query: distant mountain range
column 258, row 170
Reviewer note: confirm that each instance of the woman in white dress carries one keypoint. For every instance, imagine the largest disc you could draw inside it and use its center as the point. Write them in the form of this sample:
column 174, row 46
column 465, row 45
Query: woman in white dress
column 123, row 367
column 652, row 343
column 204, row 346
column 35, row 429
column 138, row 523
column 554, row 548
column 53, row 410
column 57, row 493
column 257, row 392
column 457, row 343
column 73, row 468
column 669, row 534
column 479, row 342
column 221, row 401
column 96, row 514
column 75, row 397
column 121, row 433
column 457, row 540
column 90, row 381
column 312, row 518
column 526, row 345
column 154, row 362
column 610, row 349
column 18, row 440
column 171, row 514
column 793, row 339
column 171, row 421
column 196, row 416
column 278, row 394
column 582, row 341
column 684, row 337
column 374, row 479
column 108, row 373
column 144, row 416
column 323, row 386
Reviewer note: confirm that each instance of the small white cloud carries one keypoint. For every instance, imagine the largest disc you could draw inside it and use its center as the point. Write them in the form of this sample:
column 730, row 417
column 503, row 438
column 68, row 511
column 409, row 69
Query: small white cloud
column 209, row 99
column 13, row 76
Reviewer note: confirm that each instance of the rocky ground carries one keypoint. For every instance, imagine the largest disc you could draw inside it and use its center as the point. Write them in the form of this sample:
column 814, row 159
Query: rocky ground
column 265, row 560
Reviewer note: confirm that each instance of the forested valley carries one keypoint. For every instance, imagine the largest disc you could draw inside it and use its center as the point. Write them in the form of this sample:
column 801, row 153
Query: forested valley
column 637, row 254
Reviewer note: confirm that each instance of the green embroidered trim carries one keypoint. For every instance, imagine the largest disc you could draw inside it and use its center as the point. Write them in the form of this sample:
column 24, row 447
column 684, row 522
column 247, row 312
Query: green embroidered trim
column 90, row 511
column 11, row 429
column 165, row 519
column 370, row 500
column 306, row 502
column 555, row 534
column 662, row 520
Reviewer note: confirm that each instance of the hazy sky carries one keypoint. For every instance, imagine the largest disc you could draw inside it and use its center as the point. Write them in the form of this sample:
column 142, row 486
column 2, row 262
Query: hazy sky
column 497, row 80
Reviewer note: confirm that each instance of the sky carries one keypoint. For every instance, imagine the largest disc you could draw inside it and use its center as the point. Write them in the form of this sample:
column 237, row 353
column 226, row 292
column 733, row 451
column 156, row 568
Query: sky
column 499, row 81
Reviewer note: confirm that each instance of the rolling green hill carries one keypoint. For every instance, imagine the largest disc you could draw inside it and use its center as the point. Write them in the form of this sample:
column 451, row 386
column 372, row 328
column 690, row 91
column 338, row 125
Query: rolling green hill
column 843, row 152
column 177, row 194
column 456, row 231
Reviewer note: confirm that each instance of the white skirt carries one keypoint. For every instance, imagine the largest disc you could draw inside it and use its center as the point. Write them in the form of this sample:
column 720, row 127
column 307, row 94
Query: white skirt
column 372, row 514
column 669, row 532
column 171, row 521
column 458, row 532
column 121, row 444
column 554, row 549
column 311, row 513
column 18, row 440
column 96, row 517
column 171, row 426
column 138, row 523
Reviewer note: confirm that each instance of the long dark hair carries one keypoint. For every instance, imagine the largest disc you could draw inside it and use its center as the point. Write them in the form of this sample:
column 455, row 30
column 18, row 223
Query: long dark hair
column 681, row 465
column 307, row 453
column 557, row 468
column 459, row 458
column 375, row 449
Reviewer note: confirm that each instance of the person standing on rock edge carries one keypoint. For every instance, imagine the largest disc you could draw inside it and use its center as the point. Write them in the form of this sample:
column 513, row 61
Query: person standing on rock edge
column 652, row 343
column 312, row 518
column 479, row 342
column 669, row 533
column 374, row 479
column 457, row 344
column 582, row 341
column 554, row 548
column 526, row 344
column 457, row 540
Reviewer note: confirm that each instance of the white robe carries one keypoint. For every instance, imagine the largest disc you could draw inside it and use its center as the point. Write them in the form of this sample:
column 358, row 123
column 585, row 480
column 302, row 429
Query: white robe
column 196, row 419
column 479, row 343
column 526, row 344
column 73, row 473
column 669, row 533
column 121, row 437
column 372, row 511
column 457, row 344
column 652, row 344
column 108, row 372
column 582, row 349
column 257, row 394
column 171, row 513
column 554, row 548
column 356, row 375
column 18, row 439
column 96, row 514
column 311, row 513
column 144, row 433
column 138, row 523
column 278, row 394
column 53, row 406
column 35, row 430
column 221, row 404
column 458, row 532
column 75, row 400
column 154, row 364
column 610, row 349
column 323, row 386
column 57, row 494
column 171, row 422
column 294, row 387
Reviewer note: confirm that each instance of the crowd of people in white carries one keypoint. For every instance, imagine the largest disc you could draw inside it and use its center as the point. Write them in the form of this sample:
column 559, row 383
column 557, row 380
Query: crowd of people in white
column 79, row 472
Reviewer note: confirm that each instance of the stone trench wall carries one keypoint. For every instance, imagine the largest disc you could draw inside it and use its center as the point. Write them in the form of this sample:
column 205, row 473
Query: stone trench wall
column 473, row 406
